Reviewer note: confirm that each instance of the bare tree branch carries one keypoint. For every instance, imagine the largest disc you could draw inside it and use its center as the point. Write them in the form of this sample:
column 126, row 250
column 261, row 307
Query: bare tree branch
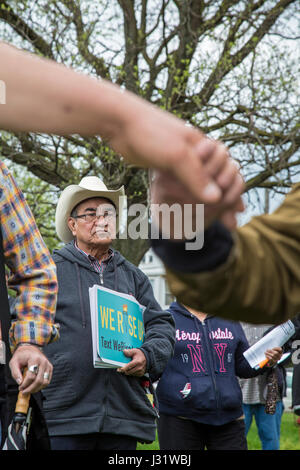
column 273, row 168
column 24, row 30
column 83, row 40
column 229, row 61
column 205, row 61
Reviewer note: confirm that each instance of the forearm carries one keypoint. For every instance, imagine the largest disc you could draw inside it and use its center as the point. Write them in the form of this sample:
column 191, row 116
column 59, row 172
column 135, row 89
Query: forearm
column 60, row 100
column 43, row 96
column 34, row 309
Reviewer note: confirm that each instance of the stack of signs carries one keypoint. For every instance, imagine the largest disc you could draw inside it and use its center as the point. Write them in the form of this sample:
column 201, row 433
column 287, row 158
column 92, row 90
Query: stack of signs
column 117, row 323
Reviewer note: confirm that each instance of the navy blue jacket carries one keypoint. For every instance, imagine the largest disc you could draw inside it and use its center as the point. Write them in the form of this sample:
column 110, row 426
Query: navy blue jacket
column 200, row 381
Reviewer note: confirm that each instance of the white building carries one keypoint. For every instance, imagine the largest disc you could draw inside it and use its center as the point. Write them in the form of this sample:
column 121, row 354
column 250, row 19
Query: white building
column 152, row 266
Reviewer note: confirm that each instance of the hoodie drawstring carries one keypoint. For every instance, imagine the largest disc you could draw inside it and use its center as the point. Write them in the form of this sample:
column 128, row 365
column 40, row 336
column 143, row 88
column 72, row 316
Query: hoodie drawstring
column 115, row 273
column 80, row 288
column 80, row 296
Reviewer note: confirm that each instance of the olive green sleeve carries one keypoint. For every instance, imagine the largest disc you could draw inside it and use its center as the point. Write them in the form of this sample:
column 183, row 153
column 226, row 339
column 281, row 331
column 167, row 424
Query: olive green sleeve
column 260, row 280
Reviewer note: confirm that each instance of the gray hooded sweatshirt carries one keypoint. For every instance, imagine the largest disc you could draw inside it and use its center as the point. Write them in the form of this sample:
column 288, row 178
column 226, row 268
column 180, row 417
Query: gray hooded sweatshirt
column 81, row 399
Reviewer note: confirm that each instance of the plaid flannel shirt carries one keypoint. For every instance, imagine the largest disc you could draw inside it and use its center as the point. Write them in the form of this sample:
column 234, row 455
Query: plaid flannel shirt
column 32, row 270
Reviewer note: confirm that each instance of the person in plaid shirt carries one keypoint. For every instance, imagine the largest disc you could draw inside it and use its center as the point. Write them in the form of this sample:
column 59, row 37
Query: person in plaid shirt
column 33, row 277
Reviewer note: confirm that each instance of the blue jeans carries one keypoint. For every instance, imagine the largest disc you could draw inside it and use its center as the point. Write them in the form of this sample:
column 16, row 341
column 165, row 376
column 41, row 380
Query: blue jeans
column 268, row 426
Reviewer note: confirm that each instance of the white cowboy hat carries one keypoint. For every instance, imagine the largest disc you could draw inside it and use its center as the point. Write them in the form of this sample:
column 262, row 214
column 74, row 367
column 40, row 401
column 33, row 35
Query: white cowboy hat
column 89, row 186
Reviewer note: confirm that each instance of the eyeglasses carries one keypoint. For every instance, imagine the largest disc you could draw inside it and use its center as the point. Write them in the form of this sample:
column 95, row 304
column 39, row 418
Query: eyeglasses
column 89, row 217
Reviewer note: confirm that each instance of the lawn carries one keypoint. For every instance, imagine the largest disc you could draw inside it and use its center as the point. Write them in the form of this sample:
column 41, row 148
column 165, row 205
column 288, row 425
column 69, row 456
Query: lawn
column 290, row 436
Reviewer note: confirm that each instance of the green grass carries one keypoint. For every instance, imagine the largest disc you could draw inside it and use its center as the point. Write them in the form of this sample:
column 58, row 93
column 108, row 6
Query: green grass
column 290, row 436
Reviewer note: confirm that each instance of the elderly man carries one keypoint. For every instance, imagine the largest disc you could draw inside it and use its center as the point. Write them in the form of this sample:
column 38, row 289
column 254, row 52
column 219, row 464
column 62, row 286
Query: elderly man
column 85, row 407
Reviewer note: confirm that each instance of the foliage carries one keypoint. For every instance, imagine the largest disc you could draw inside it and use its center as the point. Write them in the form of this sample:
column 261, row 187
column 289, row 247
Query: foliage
column 226, row 66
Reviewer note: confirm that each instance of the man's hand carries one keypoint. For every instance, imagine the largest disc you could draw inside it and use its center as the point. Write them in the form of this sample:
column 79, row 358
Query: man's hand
column 27, row 355
column 273, row 355
column 137, row 365
column 219, row 167
column 156, row 139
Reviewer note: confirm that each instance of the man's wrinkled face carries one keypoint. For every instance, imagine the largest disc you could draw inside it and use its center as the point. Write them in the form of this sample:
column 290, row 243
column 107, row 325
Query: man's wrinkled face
column 94, row 222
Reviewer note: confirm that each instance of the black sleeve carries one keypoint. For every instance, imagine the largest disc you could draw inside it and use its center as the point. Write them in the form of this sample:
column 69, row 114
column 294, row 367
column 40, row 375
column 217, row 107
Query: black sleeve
column 159, row 339
column 217, row 245
column 242, row 366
